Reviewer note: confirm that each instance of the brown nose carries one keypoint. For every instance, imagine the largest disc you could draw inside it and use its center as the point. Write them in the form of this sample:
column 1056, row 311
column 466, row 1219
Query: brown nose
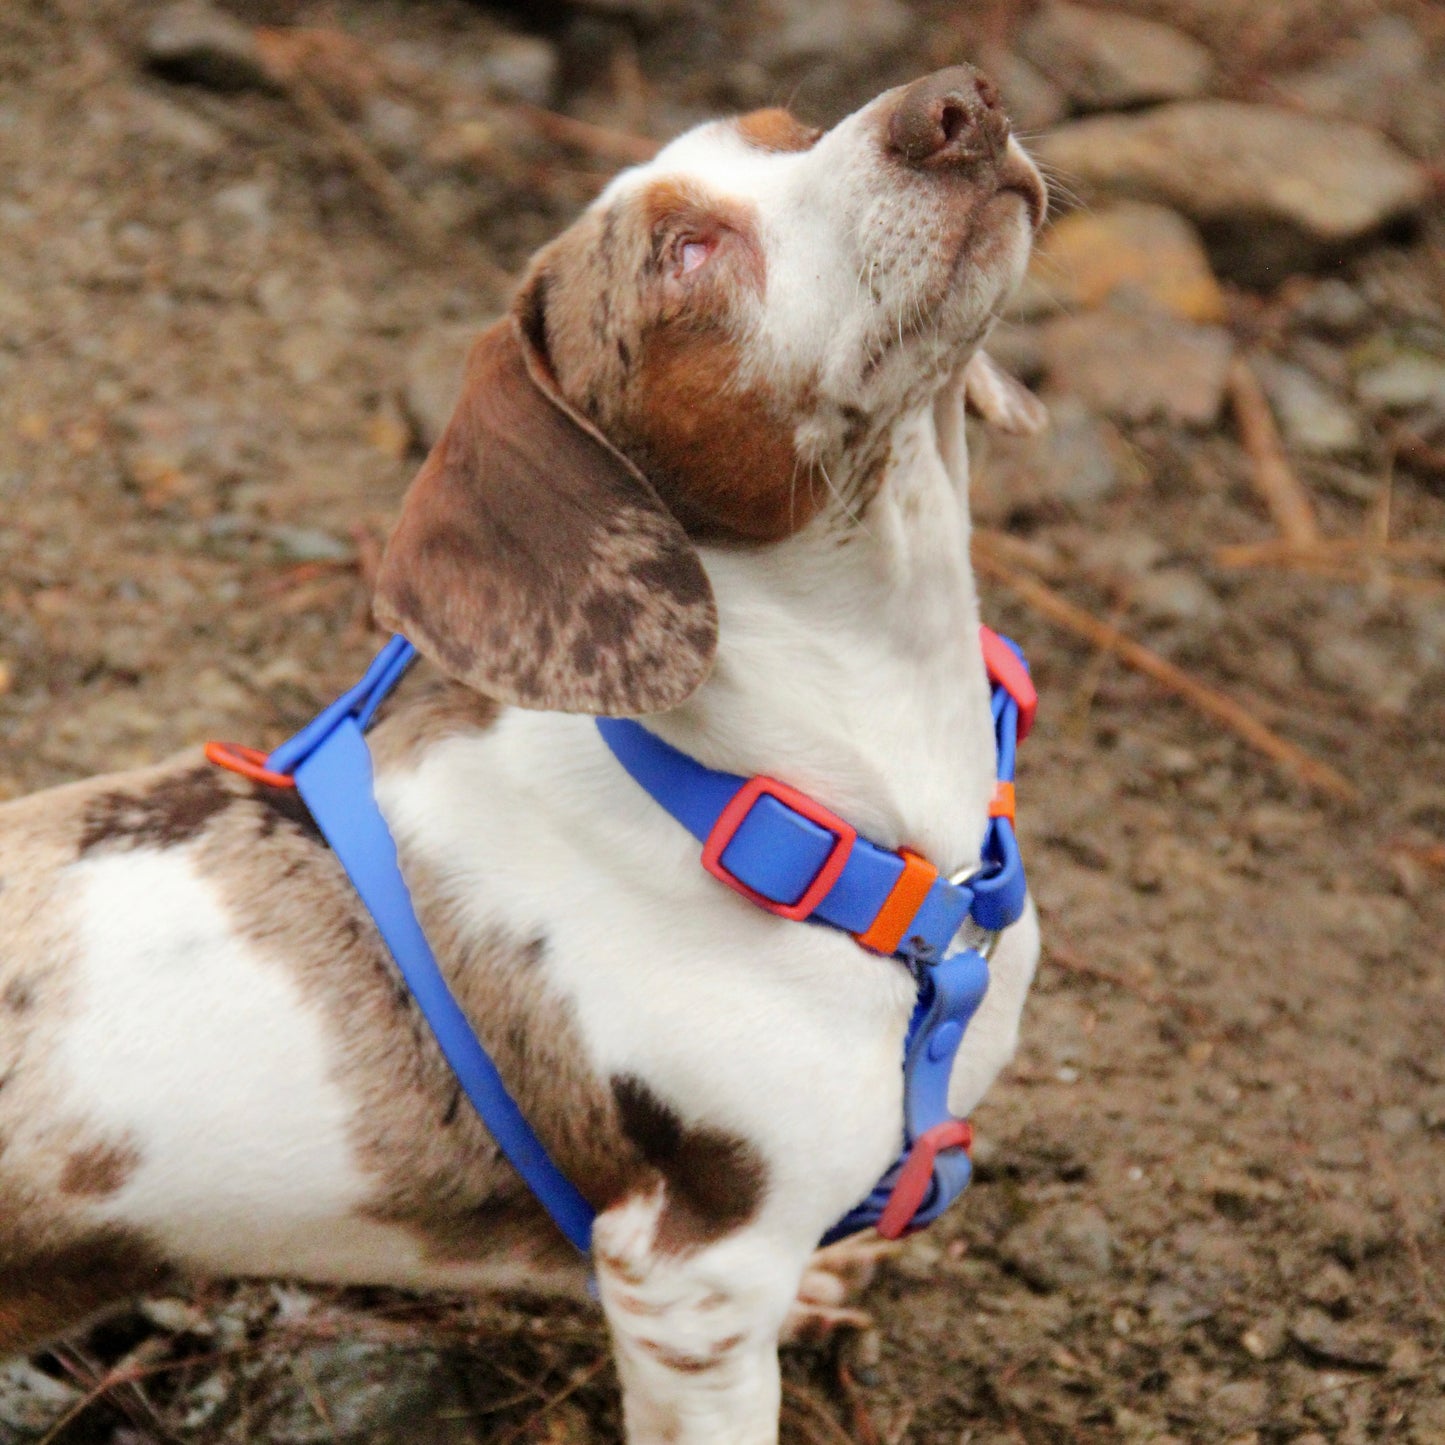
column 952, row 117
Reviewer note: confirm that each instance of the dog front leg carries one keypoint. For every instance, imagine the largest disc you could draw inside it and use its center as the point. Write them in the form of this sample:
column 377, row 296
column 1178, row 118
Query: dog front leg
column 695, row 1330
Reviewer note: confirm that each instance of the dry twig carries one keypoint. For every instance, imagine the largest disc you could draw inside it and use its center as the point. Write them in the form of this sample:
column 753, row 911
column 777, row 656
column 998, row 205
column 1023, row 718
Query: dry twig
column 1275, row 479
column 617, row 146
column 1048, row 603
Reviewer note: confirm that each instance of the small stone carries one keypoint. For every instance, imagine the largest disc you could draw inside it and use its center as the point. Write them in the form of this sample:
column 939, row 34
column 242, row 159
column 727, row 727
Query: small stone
column 1063, row 1246
column 520, row 67
column 1399, row 1119
column 1137, row 367
column 1174, row 1307
column 1173, row 596
column 309, row 544
column 1074, row 462
column 1331, row 1287
column 1274, row 189
column 1088, row 256
column 1312, row 418
column 248, row 202
column 193, row 41
column 1332, row 306
column 434, row 369
column 309, row 353
column 1339, row 1344
column 1366, row 670
column 30, row 1400
column 1105, row 60
column 1267, row 1338
column 1032, row 100
column 1407, row 380
column 1240, row 1404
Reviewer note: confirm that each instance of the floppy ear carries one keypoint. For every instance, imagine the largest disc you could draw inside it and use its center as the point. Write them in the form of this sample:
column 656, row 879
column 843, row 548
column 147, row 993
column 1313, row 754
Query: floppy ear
column 535, row 563
column 1000, row 398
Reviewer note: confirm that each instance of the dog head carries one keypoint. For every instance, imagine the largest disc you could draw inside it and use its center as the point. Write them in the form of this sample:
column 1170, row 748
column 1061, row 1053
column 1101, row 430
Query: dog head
column 716, row 352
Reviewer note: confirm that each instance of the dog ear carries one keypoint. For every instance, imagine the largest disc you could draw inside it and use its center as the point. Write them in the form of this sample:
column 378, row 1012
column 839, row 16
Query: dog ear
column 1001, row 399
column 536, row 564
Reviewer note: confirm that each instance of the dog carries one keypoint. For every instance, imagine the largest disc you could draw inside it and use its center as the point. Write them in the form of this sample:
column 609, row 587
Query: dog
column 709, row 471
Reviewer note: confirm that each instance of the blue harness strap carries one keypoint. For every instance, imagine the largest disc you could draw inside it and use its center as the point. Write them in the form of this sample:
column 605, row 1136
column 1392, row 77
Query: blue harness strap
column 776, row 846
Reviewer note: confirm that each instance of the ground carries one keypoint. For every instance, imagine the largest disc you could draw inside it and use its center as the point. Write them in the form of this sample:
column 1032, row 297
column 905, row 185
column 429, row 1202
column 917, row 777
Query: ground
column 1209, row 1194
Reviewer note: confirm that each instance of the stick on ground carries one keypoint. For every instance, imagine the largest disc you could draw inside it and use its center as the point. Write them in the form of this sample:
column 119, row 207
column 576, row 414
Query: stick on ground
column 1212, row 703
column 1275, row 479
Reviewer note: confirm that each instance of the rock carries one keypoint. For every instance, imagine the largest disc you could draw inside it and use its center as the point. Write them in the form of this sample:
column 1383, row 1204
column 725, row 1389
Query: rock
column 1063, row 1246
column 1362, row 669
column 195, row 42
column 1274, row 190
column 309, row 544
column 1032, row 100
column 248, row 202
column 1136, row 367
column 1332, row 306
column 1340, row 1343
column 1074, row 461
column 434, row 369
column 1105, row 60
column 1330, row 1287
column 520, row 67
column 1313, row 420
column 792, row 32
column 30, row 1400
column 1267, row 1338
column 1404, row 381
column 1173, row 596
column 1372, row 78
column 1089, row 256
column 368, row 1393
column 1239, row 1404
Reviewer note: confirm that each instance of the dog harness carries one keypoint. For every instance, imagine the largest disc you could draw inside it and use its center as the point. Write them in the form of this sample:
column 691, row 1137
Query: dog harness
column 778, row 848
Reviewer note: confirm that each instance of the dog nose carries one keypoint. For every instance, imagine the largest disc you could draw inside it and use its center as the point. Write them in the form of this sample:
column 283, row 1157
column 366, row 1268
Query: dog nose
column 952, row 117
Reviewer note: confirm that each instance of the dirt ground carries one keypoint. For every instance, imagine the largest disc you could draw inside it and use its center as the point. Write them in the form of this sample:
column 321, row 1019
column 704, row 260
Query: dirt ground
column 1211, row 1189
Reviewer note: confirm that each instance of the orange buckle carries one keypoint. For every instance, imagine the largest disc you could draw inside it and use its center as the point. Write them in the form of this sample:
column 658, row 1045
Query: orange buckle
column 248, row 762
column 1003, row 802
column 901, row 906
column 911, row 1187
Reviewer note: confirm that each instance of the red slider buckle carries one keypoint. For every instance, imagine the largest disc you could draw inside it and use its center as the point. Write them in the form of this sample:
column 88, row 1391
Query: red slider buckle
column 731, row 819
column 917, row 1174
column 248, row 762
column 1005, row 669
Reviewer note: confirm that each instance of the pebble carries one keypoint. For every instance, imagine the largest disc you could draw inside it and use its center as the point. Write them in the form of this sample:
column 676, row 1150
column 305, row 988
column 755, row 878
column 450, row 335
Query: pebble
column 1063, row 1246
column 1266, row 1338
column 1366, row 670
column 1312, row 418
column 433, row 376
column 1239, row 1404
column 1105, row 60
column 520, row 67
column 1339, row 1343
column 1149, row 251
column 1074, row 461
column 1140, row 366
column 194, row 41
column 1277, row 188
column 1333, row 307
column 309, row 544
column 1406, row 380
column 1173, row 595
column 790, row 32
column 248, row 202
column 30, row 1400
column 1330, row 1287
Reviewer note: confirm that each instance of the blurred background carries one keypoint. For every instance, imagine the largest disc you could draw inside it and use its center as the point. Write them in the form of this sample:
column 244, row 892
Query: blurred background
column 242, row 247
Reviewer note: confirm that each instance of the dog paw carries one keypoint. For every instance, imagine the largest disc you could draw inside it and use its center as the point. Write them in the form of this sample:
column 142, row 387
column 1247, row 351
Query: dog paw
column 835, row 1276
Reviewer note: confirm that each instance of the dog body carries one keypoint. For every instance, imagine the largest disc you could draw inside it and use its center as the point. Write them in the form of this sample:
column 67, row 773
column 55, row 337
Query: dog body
column 712, row 470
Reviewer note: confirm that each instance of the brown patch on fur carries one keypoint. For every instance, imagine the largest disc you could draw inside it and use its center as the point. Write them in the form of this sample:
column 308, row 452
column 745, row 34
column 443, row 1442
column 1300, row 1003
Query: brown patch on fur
column 175, row 807
column 99, row 1170
column 776, row 129
column 717, row 452
column 683, row 1362
column 714, row 1180
column 51, row 1289
column 427, row 709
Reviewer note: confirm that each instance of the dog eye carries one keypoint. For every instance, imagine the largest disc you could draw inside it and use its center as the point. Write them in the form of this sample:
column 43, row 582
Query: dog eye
column 690, row 252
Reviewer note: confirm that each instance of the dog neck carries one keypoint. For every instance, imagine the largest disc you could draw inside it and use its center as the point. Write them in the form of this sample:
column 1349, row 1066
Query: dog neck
column 849, row 662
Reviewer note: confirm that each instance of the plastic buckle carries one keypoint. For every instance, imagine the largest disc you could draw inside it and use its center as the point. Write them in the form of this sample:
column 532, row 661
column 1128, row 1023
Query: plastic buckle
column 914, row 1178
column 248, row 762
column 733, row 817
column 1008, row 670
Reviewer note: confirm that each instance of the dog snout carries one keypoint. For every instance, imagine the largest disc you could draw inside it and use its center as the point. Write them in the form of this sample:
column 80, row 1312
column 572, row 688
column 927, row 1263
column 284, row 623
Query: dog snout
column 953, row 117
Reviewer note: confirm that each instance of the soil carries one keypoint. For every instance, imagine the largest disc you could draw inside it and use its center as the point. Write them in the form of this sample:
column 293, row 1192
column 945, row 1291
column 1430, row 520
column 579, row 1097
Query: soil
column 1211, row 1189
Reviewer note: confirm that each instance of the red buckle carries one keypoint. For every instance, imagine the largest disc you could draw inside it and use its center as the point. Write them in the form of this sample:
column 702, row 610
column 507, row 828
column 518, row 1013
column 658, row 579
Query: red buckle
column 1005, row 669
column 731, row 820
column 917, row 1174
